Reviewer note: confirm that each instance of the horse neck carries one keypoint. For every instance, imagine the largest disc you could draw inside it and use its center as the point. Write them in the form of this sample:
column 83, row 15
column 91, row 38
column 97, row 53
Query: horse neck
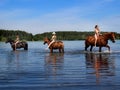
column 107, row 36
column 11, row 42
column 48, row 42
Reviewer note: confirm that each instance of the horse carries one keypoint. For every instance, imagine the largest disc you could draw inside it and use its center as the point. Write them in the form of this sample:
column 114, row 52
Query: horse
column 101, row 42
column 55, row 45
column 21, row 44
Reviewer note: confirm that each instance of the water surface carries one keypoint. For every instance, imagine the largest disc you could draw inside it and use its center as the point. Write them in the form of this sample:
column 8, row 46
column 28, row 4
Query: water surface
column 39, row 69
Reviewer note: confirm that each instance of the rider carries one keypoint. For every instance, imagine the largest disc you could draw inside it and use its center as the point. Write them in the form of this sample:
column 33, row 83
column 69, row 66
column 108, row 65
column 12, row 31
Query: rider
column 17, row 40
column 97, row 33
column 53, row 39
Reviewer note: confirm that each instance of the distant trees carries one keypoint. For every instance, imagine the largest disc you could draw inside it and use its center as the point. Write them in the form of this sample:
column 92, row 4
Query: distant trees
column 64, row 35
column 4, row 34
column 68, row 35
column 61, row 35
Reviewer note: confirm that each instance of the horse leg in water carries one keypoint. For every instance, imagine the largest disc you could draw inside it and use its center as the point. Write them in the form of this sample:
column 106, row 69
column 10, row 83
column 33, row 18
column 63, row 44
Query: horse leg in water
column 51, row 50
column 100, row 49
column 25, row 47
column 91, row 48
column 13, row 47
column 108, row 47
column 60, row 50
column 63, row 50
column 86, row 46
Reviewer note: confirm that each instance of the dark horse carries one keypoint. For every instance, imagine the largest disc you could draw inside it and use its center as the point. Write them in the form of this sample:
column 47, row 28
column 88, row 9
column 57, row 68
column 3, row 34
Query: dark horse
column 101, row 42
column 21, row 44
column 55, row 45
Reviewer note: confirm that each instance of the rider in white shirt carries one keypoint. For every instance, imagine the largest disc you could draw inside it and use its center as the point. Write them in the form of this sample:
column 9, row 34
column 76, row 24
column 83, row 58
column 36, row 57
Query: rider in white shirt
column 53, row 39
column 17, row 40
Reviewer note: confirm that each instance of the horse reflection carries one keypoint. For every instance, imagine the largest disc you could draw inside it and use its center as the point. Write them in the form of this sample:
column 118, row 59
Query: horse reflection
column 14, row 59
column 54, row 64
column 100, row 65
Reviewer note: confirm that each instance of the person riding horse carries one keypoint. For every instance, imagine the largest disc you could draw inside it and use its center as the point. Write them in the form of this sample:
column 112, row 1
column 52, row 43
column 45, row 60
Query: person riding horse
column 102, row 41
column 17, row 44
column 17, row 40
column 97, row 33
column 53, row 39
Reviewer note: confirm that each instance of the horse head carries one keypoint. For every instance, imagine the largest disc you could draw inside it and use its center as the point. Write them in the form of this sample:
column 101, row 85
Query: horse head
column 9, row 40
column 112, row 37
column 46, row 40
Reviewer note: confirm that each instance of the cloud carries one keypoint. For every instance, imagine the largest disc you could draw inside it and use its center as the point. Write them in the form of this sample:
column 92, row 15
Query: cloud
column 111, row 24
column 61, row 20
column 76, row 18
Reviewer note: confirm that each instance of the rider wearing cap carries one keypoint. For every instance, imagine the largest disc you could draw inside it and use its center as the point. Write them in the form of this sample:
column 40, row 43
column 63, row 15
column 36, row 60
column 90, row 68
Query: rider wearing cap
column 53, row 39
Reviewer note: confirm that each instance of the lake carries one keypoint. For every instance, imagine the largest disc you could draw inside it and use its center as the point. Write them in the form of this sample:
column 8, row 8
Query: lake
column 75, row 69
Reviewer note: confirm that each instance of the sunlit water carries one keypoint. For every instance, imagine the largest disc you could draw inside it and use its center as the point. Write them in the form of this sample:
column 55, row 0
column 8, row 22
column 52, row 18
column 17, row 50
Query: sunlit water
column 39, row 69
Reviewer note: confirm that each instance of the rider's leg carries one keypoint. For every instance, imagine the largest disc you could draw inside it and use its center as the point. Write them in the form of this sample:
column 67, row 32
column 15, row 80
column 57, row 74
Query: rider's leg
column 16, row 45
column 49, row 44
column 95, row 39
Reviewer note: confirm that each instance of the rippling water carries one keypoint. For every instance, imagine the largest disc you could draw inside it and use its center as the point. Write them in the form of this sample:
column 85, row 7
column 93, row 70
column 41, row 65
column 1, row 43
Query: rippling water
column 74, row 69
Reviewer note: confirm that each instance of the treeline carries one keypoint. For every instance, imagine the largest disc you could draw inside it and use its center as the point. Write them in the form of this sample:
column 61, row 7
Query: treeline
column 69, row 35
column 64, row 35
column 4, row 34
column 61, row 35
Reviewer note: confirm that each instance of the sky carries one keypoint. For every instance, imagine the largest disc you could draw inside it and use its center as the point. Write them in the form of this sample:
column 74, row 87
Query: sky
column 39, row 16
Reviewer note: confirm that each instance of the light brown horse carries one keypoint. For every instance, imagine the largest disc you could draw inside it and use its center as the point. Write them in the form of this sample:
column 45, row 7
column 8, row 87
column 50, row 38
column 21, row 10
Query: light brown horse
column 101, row 42
column 55, row 45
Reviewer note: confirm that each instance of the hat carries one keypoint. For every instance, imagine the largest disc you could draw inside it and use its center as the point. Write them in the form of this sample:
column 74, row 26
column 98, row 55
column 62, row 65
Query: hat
column 53, row 33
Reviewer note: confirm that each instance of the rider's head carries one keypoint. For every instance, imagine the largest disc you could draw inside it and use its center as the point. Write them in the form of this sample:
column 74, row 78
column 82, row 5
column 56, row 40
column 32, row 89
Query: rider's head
column 53, row 33
column 96, row 26
column 17, row 36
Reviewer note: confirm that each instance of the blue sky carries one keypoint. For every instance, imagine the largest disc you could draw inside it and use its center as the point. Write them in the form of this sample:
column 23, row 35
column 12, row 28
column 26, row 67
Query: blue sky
column 38, row 16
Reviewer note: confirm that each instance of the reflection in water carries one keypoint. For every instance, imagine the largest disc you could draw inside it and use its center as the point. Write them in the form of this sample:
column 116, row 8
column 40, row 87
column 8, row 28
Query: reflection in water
column 11, row 64
column 37, row 69
column 15, row 57
column 101, row 65
column 54, row 64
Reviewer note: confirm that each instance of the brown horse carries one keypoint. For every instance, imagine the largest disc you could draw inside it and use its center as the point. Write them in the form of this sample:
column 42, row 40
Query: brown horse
column 101, row 42
column 21, row 44
column 56, row 45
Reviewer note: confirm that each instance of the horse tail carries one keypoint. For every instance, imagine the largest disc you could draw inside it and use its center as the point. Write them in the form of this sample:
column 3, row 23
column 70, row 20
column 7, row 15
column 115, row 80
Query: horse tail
column 86, row 41
column 26, row 46
column 62, row 46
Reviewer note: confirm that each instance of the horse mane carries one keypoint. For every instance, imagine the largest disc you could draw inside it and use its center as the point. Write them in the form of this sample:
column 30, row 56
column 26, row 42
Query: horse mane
column 108, row 34
column 48, row 38
column 11, row 40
